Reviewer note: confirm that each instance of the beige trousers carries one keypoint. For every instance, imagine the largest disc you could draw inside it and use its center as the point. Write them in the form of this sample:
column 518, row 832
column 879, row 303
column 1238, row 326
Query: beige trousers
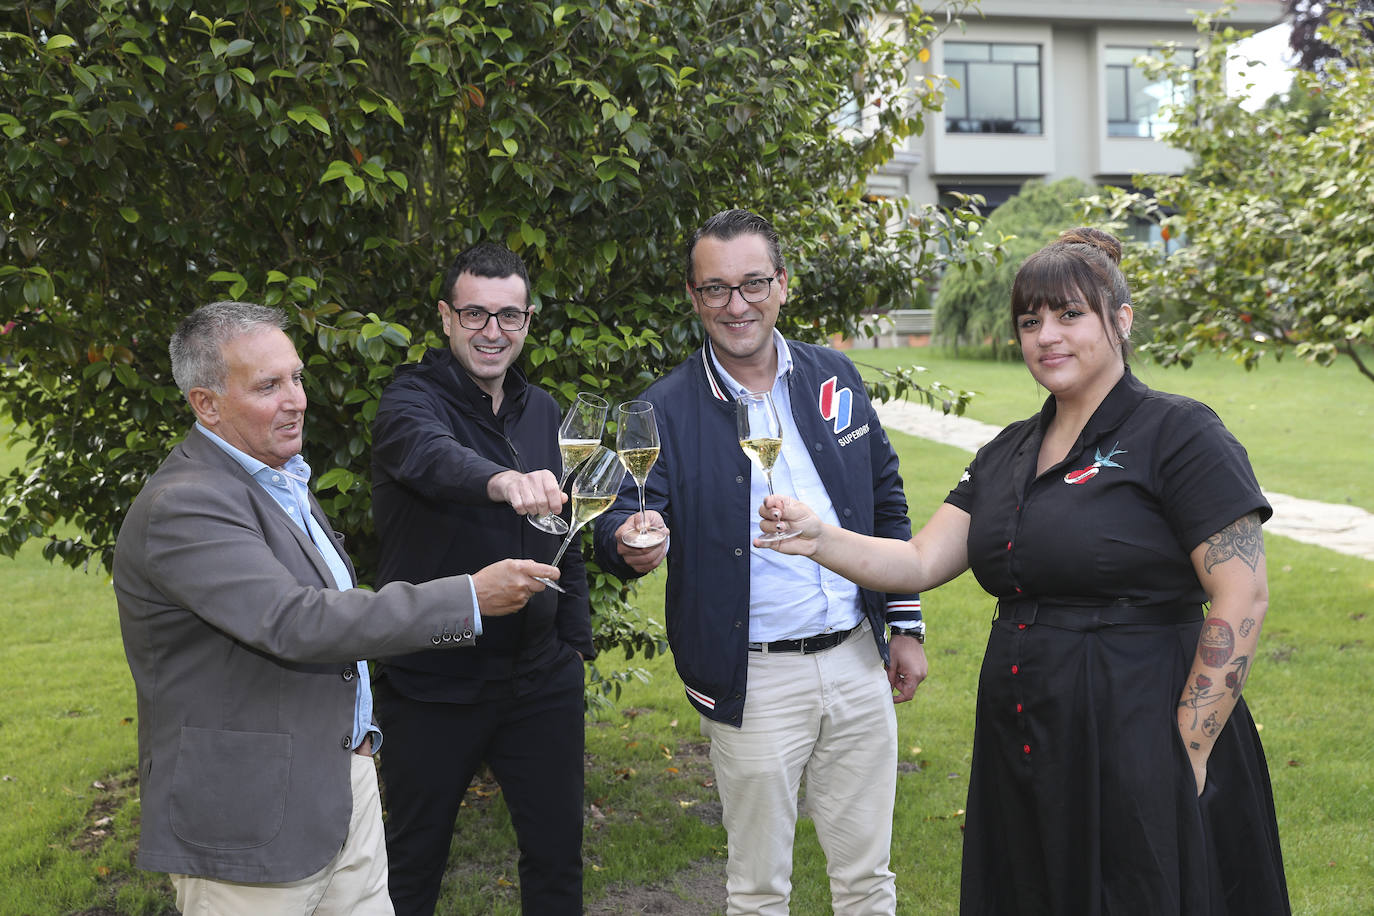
column 828, row 716
column 354, row 882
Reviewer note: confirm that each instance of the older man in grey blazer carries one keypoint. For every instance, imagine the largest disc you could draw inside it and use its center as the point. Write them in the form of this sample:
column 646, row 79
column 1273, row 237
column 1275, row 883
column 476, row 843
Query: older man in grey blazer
column 244, row 634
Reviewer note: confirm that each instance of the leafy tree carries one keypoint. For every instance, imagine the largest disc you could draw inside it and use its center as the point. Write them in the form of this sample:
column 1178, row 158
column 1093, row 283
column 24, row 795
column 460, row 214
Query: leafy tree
column 1310, row 104
column 971, row 306
column 1279, row 231
column 1309, row 17
column 329, row 156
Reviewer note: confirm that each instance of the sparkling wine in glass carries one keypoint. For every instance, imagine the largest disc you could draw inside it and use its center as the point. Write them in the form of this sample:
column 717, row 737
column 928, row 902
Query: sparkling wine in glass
column 760, row 435
column 578, row 436
column 594, row 489
column 636, row 441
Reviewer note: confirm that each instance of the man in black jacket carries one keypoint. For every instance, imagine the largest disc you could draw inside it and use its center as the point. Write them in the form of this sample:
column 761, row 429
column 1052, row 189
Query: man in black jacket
column 462, row 447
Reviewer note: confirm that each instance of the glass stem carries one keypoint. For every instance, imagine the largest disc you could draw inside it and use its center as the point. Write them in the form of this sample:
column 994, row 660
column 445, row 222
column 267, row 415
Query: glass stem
column 564, row 547
column 643, row 522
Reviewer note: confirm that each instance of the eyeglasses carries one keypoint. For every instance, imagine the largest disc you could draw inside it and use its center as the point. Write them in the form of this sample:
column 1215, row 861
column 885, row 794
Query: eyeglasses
column 475, row 319
column 717, row 295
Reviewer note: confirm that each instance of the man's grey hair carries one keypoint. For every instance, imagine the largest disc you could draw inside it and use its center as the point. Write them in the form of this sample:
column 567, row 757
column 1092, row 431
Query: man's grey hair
column 197, row 347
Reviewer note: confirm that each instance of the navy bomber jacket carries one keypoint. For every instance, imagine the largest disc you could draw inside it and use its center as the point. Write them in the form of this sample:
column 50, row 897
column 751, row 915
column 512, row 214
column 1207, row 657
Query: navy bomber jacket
column 700, row 484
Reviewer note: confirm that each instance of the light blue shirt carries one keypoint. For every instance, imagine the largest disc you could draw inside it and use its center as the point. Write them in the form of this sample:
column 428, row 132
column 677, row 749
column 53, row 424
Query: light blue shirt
column 290, row 488
column 791, row 596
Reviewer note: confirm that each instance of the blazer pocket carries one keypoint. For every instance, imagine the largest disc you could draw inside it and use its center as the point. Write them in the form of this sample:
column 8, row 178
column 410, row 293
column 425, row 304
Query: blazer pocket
column 229, row 788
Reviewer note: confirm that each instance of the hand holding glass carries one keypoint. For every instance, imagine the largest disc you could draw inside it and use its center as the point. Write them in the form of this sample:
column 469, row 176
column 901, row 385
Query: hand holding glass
column 578, row 436
column 636, row 441
column 760, row 435
column 594, row 489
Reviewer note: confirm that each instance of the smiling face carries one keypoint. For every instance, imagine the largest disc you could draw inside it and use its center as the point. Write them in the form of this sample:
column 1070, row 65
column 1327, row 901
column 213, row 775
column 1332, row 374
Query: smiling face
column 1069, row 350
column 261, row 411
column 486, row 353
column 741, row 332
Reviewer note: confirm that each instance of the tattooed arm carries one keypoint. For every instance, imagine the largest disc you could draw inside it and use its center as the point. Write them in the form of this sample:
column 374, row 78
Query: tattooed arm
column 1230, row 566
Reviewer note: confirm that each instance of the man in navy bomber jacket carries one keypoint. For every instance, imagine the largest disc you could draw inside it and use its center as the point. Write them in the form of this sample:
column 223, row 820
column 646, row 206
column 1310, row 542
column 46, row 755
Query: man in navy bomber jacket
column 784, row 660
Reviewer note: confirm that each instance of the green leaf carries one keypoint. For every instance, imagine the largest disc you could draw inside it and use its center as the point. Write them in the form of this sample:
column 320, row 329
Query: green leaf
column 58, row 42
column 129, row 214
column 310, row 115
column 336, row 169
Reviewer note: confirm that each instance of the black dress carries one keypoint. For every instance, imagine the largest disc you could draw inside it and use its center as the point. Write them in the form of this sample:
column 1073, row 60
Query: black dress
column 1082, row 799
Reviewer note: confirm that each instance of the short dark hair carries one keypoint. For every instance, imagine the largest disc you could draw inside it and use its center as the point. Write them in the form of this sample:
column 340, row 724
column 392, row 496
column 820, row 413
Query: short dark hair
column 1083, row 264
column 197, row 346
column 485, row 259
column 728, row 224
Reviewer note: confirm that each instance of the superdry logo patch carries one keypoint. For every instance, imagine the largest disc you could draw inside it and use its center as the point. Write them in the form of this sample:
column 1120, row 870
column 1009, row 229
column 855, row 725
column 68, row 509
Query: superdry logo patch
column 837, row 405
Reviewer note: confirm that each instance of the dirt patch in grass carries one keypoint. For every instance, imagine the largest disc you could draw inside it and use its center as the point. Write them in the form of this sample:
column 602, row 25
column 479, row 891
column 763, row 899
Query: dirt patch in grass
column 112, row 793
column 695, row 891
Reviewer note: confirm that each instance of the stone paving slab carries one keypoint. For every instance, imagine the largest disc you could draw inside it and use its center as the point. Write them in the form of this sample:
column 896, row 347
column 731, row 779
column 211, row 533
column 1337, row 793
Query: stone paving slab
column 1347, row 529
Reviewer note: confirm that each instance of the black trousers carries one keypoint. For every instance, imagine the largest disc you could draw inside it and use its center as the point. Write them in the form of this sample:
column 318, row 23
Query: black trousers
column 534, row 746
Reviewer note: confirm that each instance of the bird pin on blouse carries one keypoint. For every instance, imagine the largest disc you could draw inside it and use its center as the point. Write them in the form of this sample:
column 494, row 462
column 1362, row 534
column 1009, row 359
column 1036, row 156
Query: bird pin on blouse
column 1083, row 475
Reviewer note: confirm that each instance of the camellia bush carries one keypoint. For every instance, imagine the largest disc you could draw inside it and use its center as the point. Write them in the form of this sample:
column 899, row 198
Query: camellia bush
column 330, row 156
column 1275, row 214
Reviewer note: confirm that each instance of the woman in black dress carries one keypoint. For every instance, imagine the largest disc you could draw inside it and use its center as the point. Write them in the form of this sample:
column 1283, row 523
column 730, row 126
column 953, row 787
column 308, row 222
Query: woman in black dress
column 1116, row 768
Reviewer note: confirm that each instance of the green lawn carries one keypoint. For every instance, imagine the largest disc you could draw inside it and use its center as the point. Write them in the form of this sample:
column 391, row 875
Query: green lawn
column 1309, row 430
column 69, row 722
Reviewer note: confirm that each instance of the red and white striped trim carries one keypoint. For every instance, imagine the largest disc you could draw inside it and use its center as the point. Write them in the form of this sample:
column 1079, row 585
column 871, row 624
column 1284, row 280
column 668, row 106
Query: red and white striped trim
column 911, row 604
column 700, row 697
column 711, row 377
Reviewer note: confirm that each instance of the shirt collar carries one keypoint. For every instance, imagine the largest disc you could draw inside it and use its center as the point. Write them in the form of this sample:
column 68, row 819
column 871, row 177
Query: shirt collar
column 784, row 363
column 295, row 466
column 1124, row 397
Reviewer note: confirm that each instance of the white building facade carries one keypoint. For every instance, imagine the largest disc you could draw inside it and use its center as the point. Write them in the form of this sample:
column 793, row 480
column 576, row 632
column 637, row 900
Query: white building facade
column 1049, row 90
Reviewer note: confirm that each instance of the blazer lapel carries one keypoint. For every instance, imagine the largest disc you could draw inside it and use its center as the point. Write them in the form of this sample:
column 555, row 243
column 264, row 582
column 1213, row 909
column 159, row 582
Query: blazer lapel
column 201, row 449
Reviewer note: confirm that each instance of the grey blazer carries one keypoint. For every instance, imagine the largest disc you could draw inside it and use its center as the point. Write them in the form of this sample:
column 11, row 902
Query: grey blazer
column 244, row 658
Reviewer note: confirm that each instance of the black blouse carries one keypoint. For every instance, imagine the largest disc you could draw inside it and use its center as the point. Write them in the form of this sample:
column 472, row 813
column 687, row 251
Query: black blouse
column 1151, row 477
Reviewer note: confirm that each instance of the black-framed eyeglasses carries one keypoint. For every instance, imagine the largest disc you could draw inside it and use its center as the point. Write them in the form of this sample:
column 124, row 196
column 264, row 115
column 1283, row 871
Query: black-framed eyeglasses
column 717, row 295
column 475, row 319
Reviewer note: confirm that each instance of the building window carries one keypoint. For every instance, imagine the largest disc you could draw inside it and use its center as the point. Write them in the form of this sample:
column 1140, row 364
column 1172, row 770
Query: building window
column 998, row 89
column 1134, row 103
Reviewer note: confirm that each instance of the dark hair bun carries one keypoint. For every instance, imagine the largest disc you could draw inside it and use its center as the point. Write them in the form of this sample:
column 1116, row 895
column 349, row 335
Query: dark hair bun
column 1105, row 242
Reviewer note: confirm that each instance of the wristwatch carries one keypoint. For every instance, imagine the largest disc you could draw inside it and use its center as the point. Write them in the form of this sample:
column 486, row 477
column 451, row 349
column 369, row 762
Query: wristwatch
column 915, row 629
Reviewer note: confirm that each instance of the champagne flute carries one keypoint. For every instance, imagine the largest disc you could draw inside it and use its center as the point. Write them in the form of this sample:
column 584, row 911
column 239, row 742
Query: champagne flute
column 636, row 441
column 593, row 491
column 578, row 436
column 760, row 435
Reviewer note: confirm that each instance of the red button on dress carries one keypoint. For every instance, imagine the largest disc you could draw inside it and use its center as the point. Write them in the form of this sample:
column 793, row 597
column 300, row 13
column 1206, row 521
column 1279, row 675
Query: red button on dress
column 1015, row 669
column 1018, row 707
column 1025, row 748
column 1020, row 626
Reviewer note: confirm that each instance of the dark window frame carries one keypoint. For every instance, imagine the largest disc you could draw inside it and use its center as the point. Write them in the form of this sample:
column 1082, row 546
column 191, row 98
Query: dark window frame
column 1129, row 128
column 1022, row 123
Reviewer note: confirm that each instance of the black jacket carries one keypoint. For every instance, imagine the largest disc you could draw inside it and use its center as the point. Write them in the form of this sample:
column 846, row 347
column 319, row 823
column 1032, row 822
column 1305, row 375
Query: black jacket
column 435, row 444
